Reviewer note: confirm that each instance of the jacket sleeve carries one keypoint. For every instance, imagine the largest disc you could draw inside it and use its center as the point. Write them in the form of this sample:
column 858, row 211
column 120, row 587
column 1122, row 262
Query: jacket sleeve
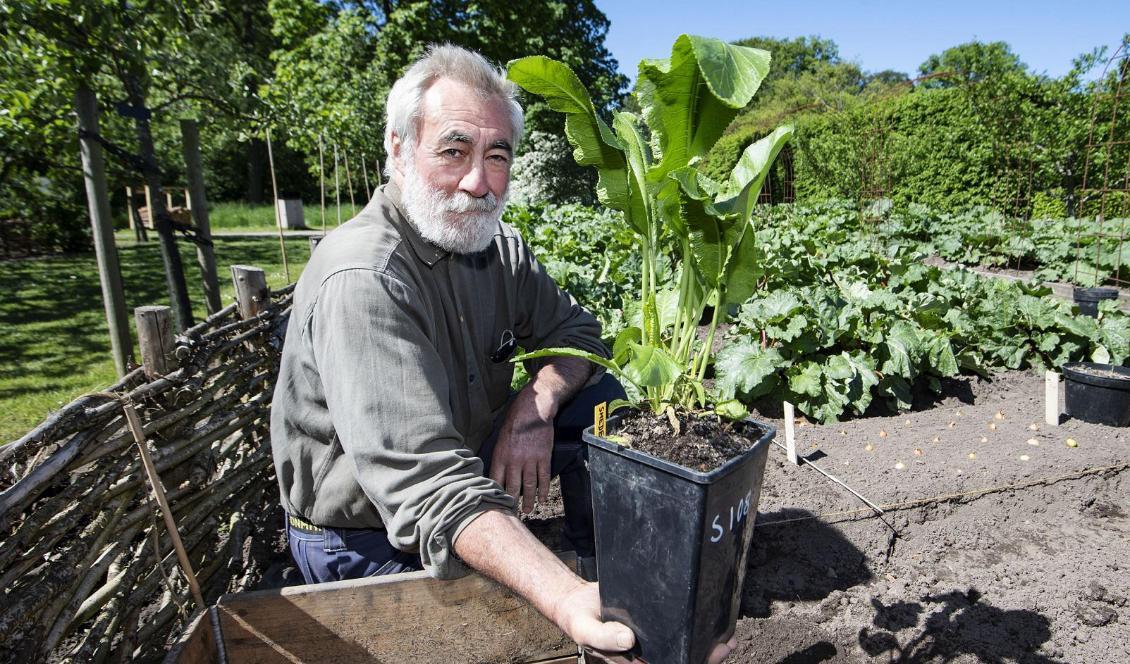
column 386, row 392
column 550, row 317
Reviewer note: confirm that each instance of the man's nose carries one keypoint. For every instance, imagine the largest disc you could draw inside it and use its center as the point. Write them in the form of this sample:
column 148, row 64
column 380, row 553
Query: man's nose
column 474, row 181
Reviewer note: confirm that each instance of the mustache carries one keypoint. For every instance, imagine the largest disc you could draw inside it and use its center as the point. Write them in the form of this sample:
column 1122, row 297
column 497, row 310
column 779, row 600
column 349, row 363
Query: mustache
column 461, row 201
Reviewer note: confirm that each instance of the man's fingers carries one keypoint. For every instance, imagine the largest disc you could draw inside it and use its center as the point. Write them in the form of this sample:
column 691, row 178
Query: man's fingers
column 498, row 474
column 529, row 487
column 543, row 480
column 513, row 482
column 722, row 650
column 605, row 637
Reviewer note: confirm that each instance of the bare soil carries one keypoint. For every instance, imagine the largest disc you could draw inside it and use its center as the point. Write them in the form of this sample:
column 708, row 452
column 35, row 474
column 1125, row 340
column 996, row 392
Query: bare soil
column 699, row 442
column 999, row 542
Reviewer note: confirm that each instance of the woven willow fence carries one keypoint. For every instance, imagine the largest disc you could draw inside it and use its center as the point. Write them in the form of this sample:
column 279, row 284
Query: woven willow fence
column 88, row 570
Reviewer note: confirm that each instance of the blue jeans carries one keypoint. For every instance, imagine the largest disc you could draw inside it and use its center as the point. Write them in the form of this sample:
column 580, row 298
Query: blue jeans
column 335, row 554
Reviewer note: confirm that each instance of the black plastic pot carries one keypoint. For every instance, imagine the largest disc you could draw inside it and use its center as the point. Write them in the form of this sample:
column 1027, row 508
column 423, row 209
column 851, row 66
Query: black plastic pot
column 1102, row 398
column 1088, row 299
column 671, row 544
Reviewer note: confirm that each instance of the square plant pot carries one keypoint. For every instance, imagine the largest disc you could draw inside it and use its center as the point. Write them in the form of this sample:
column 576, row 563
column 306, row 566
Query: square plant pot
column 672, row 543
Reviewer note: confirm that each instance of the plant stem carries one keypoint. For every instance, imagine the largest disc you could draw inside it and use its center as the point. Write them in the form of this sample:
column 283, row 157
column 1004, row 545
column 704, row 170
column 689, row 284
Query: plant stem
column 705, row 352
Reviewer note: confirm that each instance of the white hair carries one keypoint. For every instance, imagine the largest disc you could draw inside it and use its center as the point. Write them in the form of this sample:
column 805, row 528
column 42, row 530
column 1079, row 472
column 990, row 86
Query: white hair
column 402, row 110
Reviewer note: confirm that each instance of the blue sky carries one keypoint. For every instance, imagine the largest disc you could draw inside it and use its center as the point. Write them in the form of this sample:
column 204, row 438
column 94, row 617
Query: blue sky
column 876, row 35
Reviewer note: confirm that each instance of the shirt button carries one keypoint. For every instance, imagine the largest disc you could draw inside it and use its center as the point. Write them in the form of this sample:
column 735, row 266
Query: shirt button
column 471, row 378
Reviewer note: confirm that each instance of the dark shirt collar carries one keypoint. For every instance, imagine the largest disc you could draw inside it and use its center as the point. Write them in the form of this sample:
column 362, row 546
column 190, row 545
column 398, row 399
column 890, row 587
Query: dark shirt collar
column 428, row 253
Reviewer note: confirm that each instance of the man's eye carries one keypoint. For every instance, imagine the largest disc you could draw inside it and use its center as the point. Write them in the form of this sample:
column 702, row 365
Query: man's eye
column 499, row 158
column 453, row 152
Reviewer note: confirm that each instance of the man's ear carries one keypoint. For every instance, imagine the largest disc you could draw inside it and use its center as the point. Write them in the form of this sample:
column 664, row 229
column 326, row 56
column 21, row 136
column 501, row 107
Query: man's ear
column 396, row 144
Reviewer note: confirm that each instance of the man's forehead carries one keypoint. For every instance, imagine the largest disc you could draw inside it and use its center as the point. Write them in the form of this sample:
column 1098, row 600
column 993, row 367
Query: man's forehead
column 454, row 111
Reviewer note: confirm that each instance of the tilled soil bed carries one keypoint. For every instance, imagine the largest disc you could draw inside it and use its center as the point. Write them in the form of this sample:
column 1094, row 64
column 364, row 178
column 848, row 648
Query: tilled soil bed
column 999, row 542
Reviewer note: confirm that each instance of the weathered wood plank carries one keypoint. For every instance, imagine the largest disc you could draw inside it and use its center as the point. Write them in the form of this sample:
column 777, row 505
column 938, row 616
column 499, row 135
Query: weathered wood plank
column 401, row 618
column 196, row 645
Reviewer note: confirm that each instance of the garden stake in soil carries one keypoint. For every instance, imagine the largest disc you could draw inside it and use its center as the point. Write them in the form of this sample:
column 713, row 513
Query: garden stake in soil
column 878, row 510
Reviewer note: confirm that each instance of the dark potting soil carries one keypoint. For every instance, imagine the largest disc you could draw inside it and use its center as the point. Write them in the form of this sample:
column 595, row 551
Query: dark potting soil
column 701, row 442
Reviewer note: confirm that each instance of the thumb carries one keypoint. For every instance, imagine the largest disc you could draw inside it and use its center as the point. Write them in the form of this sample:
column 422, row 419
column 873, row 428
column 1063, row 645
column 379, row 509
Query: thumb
column 606, row 636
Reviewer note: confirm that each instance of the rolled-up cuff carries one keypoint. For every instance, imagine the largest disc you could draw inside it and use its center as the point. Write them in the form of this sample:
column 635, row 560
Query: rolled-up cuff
column 438, row 553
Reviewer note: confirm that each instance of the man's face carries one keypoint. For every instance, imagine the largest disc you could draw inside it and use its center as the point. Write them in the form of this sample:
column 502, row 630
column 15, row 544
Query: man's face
column 455, row 177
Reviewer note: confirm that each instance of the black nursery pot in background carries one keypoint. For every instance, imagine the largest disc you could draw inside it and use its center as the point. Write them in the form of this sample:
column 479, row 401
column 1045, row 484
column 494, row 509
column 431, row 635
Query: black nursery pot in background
column 1088, row 299
column 1097, row 393
column 672, row 543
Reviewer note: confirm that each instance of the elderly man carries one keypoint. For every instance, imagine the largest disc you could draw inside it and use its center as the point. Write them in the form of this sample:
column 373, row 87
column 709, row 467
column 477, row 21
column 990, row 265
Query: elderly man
column 397, row 442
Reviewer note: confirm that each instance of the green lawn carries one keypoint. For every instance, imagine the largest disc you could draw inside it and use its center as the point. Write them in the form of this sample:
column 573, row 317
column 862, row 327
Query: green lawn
column 242, row 216
column 54, row 342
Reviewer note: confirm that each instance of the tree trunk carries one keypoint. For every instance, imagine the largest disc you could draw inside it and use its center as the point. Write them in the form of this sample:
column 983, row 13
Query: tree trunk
column 174, row 269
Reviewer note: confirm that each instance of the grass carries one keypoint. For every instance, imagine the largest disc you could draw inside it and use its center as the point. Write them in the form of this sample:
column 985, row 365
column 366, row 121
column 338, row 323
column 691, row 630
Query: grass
column 246, row 217
column 54, row 340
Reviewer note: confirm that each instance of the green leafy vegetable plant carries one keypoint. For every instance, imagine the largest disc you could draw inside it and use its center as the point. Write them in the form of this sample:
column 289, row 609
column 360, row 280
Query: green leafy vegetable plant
column 696, row 243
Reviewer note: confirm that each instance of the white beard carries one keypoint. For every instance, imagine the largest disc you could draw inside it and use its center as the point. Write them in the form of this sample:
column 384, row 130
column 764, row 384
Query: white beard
column 459, row 222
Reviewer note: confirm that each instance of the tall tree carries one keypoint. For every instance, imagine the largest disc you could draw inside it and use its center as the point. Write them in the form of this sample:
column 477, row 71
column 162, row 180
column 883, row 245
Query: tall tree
column 337, row 61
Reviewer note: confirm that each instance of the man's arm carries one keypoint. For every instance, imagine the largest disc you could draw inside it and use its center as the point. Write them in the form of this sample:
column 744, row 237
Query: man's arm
column 499, row 546
column 521, row 458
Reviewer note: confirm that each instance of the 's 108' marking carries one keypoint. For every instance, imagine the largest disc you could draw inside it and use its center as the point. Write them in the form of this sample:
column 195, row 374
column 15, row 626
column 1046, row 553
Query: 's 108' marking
column 725, row 522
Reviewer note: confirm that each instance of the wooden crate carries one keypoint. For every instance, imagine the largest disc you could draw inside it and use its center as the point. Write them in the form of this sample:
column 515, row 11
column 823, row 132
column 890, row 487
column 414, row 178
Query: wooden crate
column 400, row 618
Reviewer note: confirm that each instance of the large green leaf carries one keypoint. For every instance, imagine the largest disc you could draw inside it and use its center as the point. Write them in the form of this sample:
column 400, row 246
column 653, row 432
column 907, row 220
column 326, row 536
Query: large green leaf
column 650, row 366
column 690, row 98
column 807, row 379
column 568, row 352
column 742, row 367
column 593, row 141
column 903, row 346
column 639, row 160
column 718, row 217
column 739, row 193
column 621, row 348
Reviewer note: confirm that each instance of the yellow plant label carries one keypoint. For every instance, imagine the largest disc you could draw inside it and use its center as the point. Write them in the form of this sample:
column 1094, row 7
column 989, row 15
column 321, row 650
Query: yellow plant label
column 600, row 419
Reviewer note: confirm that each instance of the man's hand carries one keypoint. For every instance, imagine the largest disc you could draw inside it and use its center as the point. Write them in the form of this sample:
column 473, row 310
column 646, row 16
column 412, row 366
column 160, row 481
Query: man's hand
column 577, row 613
column 521, row 458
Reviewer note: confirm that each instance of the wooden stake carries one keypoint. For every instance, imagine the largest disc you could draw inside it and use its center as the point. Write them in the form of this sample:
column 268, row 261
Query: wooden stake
column 365, row 174
column 155, row 339
column 349, row 184
column 337, row 187
column 159, row 493
column 105, row 251
column 168, row 199
column 205, row 256
column 278, row 218
column 322, row 179
column 139, row 232
column 790, row 434
column 129, row 208
column 149, row 208
column 251, row 290
column 1051, row 398
column 378, row 172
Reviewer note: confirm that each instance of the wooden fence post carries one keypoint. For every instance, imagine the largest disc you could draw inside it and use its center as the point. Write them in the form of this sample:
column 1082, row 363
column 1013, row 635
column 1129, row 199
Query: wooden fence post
column 105, row 251
column 251, row 290
column 155, row 338
column 205, row 257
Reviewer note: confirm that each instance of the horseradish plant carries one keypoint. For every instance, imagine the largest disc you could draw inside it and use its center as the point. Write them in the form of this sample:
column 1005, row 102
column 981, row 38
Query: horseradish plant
column 648, row 169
